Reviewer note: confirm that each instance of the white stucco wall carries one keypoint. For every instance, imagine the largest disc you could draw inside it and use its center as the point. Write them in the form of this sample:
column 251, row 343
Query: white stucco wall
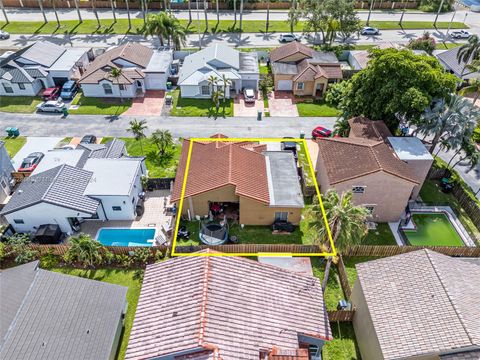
column 96, row 90
column 156, row 81
column 30, row 89
column 193, row 91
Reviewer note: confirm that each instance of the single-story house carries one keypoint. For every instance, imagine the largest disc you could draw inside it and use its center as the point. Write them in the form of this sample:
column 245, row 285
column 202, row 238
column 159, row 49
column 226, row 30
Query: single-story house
column 41, row 65
column 229, row 308
column 220, row 61
column 358, row 59
column 142, row 69
column 76, row 185
column 300, row 69
column 448, row 59
column 6, row 169
column 45, row 315
column 260, row 185
column 382, row 171
column 419, row 305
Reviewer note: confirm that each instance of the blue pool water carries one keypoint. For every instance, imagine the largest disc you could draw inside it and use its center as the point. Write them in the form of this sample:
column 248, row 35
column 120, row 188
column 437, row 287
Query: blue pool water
column 470, row 2
column 126, row 237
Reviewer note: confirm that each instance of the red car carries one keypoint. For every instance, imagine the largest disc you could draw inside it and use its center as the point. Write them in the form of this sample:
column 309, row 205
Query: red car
column 31, row 162
column 320, row 131
column 51, row 93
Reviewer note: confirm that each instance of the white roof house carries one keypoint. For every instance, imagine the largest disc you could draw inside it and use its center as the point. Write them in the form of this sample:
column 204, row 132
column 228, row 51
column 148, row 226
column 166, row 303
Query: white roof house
column 409, row 148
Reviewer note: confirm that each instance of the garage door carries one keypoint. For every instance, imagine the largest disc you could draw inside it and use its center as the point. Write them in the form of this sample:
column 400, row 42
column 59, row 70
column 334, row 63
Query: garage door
column 59, row 81
column 249, row 84
column 284, row 85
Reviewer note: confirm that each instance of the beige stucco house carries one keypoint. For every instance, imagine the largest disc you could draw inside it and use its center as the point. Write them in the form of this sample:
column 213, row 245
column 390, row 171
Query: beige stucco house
column 418, row 306
column 302, row 70
column 253, row 184
column 382, row 171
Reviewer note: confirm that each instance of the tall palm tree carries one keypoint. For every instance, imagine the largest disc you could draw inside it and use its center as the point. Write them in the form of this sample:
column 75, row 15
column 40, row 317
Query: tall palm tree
column 267, row 24
column 137, row 128
column 112, row 5
column 234, row 13
column 127, row 5
column 40, row 5
column 155, row 26
column 163, row 140
column 241, row 16
column 346, row 221
column 80, row 20
column 176, row 33
column 94, row 8
column 116, row 74
column 54, row 7
column 469, row 51
column 216, row 95
column 4, row 12
column 84, row 249
column 226, row 83
column 213, row 82
column 189, row 11
column 372, row 2
column 205, row 7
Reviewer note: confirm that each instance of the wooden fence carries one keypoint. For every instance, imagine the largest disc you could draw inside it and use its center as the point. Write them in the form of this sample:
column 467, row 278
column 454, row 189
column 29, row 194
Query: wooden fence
column 159, row 183
column 392, row 250
column 468, row 204
column 342, row 274
column 341, row 315
column 253, row 248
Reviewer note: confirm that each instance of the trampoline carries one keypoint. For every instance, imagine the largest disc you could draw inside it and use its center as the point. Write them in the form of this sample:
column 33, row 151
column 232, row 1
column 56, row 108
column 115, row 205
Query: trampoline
column 212, row 233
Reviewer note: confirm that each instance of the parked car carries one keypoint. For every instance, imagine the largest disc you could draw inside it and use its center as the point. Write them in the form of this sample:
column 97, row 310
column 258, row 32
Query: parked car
column 55, row 106
column 320, row 131
column 283, row 225
column 4, row 35
column 460, row 34
column 31, row 162
column 249, row 95
column 69, row 90
column 88, row 139
column 51, row 93
column 286, row 38
column 289, row 145
column 367, row 30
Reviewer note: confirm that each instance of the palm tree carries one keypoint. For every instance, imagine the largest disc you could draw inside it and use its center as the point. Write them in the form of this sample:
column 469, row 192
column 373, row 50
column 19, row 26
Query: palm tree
column 206, row 16
column 226, row 82
column 40, row 5
column 4, row 12
column 267, row 24
column 213, row 82
column 216, row 95
column 137, row 128
column 469, row 51
column 155, row 25
column 218, row 12
column 189, row 11
column 163, row 140
column 346, row 221
column 341, row 127
column 176, row 33
column 127, row 5
column 372, row 2
column 116, row 74
column 234, row 14
column 113, row 11
column 241, row 15
column 94, row 8
column 54, row 7
column 84, row 250
column 80, row 20
column 472, row 88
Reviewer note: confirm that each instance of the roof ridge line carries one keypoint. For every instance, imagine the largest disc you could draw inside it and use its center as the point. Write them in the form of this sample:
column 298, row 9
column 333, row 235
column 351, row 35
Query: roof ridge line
column 54, row 180
column 203, row 305
column 459, row 316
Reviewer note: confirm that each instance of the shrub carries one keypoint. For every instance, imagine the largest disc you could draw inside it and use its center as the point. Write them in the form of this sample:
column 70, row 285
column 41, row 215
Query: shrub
column 158, row 256
column 49, row 260
column 25, row 255
column 85, row 250
column 265, row 85
column 124, row 260
column 3, row 252
column 18, row 244
column 433, row 5
column 336, row 93
column 108, row 258
column 425, row 43
column 142, row 256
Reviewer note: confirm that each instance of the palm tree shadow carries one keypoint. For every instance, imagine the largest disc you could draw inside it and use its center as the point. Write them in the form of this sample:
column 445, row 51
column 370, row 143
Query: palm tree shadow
column 267, row 35
column 73, row 30
column 39, row 29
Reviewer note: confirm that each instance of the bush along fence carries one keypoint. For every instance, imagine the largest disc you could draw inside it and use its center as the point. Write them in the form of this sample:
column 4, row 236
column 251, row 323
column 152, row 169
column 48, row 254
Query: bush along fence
column 392, row 250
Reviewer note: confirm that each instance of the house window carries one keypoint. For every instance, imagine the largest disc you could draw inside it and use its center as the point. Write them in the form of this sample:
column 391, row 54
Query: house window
column 205, row 90
column 8, row 89
column 281, row 215
column 4, row 184
column 370, row 209
column 18, row 221
column 358, row 189
column 107, row 88
column 122, row 87
column 21, row 86
column 116, row 208
column 300, row 86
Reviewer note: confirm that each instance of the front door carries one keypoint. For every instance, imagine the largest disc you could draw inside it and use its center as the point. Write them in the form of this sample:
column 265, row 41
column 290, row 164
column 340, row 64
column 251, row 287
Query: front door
column 319, row 89
column 139, row 86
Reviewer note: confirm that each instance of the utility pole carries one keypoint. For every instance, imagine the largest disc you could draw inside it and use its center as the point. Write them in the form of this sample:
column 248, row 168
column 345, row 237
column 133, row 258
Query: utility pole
column 438, row 13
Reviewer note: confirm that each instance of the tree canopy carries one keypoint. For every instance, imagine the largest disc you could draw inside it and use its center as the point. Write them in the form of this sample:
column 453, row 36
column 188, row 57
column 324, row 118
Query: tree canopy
column 396, row 84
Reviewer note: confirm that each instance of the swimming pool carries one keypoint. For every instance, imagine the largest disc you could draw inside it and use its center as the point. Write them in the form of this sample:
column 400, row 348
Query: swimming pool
column 433, row 229
column 126, row 236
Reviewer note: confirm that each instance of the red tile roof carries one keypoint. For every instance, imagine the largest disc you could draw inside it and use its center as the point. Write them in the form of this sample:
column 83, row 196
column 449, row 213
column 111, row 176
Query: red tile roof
column 290, row 49
column 233, row 307
column 220, row 163
column 309, row 70
column 364, row 128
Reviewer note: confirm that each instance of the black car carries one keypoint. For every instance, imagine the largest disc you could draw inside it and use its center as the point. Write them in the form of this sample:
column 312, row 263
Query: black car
column 283, row 225
column 88, row 139
column 289, row 145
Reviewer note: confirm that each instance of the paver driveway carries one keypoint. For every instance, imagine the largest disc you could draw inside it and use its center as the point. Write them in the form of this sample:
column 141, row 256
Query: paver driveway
column 282, row 103
column 244, row 109
column 150, row 104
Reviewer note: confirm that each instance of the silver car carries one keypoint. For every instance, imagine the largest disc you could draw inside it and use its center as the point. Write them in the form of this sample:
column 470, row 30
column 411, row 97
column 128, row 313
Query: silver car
column 286, row 38
column 460, row 34
column 4, row 35
column 367, row 30
column 55, row 106
column 249, row 95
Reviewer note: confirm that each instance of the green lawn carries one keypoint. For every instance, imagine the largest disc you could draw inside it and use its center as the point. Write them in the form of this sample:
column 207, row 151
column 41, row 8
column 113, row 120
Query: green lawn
column 333, row 293
column 99, row 106
column 381, row 236
column 433, row 230
column 303, row 160
column 199, row 107
column 344, row 344
column 264, row 69
column 446, row 46
column 19, row 104
column 13, row 145
column 157, row 166
column 119, row 277
column 319, row 108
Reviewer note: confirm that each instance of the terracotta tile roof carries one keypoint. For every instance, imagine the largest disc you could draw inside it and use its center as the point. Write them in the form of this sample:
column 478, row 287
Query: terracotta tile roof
column 229, row 305
column 217, row 164
column 422, row 302
column 300, row 354
column 350, row 158
column 309, row 71
column 362, row 127
column 100, row 68
column 290, row 49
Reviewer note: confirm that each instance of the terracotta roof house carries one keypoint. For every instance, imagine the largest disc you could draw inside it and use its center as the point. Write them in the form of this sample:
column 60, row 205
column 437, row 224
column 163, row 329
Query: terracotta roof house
column 300, row 69
column 382, row 171
column 142, row 68
column 419, row 305
column 214, row 307
column 259, row 185
column 45, row 315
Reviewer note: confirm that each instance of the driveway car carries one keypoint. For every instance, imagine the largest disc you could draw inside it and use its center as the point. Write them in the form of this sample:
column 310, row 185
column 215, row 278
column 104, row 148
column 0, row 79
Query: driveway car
column 31, row 162
column 249, row 95
column 88, row 139
column 460, row 34
column 289, row 145
column 283, row 225
column 367, row 30
column 55, row 106
column 69, row 90
column 4, row 35
column 320, row 131
column 51, row 93
column 286, row 38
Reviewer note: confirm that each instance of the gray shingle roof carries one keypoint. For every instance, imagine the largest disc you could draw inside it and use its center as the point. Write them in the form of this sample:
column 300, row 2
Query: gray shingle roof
column 422, row 302
column 63, row 185
column 449, row 60
column 44, row 53
column 61, row 316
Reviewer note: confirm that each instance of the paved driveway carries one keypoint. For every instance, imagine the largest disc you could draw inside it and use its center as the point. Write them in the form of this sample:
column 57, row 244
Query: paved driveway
column 150, row 104
column 282, row 104
column 243, row 109
column 33, row 144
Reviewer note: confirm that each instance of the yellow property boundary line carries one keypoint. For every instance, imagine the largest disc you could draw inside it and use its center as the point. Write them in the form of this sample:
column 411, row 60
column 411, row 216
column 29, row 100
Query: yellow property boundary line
column 303, row 143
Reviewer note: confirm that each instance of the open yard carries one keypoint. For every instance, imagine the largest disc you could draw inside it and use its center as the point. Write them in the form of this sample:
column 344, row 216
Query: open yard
column 319, row 108
column 19, row 104
column 381, row 236
column 199, row 107
column 13, row 145
column 343, row 345
column 99, row 106
column 127, row 278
